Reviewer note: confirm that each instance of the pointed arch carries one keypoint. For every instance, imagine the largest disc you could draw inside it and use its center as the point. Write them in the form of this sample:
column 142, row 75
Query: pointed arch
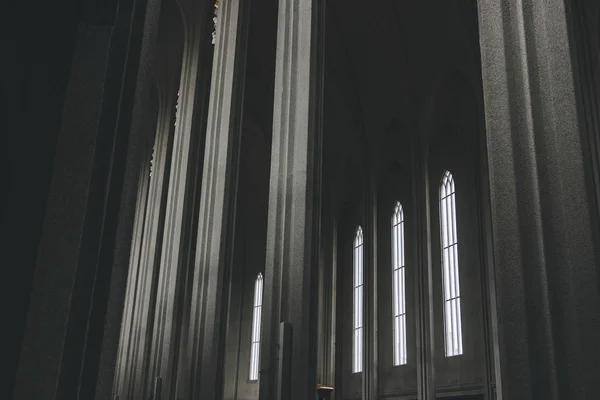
column 256, row 322
column 450, row 269
column 357, row 341
column 398, row 286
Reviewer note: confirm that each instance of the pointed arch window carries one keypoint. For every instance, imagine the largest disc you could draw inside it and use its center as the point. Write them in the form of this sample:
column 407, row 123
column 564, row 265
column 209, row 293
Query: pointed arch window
column 398, row 286
column 450, row 270
column 357, row 341
column 256, row 319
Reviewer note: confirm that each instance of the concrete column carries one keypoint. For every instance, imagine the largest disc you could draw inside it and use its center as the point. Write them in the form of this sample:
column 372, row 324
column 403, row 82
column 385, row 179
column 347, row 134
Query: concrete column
column 70, row 345
column 138, row 302
column 160, row 358
column 371, row 352
column 166, row 69
column 293, row 226
column 423, row 274
column 145, row 286
column 544, row 223
column 585, row 28
column 326, row 302
column 133, row 276
column 215, row 241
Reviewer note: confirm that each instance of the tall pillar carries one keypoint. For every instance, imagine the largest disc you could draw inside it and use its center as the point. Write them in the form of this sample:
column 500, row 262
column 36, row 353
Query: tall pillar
column 293, row 226
column 127, row 325
column 371, row 342
column 544, row 223
column 90, row 211
column 160, row 358
column 166, row 69
column 585, row 30
column 145, row 299
column 204, row 355
column 326, row 301
column 423, row 275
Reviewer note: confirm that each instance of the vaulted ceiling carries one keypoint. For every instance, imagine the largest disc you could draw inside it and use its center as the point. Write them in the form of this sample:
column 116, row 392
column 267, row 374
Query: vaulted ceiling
column 391, row 68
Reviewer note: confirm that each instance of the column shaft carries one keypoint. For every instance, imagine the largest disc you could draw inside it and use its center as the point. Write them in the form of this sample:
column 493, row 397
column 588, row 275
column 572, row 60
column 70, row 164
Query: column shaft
column 90, row 207
column 371, row 337
column 423, row 276
column 199, row 62
column 127, row 325
column 293, row 227
column 186, row 153
column 545, row 250
column 152, row 241
column 215, row 241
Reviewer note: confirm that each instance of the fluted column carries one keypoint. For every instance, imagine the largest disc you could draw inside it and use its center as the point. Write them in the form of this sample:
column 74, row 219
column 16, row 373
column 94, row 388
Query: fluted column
column 293, row 227
column 544, row 223
column 166, row 70
column 186, row 157
column 205, row 355
column 136, row 331
column 127, row 324
column 151, row 244
column 69, row 348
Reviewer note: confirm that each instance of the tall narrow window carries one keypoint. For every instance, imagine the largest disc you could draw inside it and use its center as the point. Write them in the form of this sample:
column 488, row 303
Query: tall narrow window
column 398, row 286
column 451, row 281
column 256, row 318
column 357, row 341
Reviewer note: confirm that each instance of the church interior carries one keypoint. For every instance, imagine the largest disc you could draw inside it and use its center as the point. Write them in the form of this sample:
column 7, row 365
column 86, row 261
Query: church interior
column 303, row 199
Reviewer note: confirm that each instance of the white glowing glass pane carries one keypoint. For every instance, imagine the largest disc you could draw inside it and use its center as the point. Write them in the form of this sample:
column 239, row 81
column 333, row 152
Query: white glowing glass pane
column 357, row 338
column 450, row 271
column 256, row 319
column 398, row 287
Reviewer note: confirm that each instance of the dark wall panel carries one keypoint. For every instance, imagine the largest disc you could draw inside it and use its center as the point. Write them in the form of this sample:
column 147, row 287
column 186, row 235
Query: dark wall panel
column 37, row 52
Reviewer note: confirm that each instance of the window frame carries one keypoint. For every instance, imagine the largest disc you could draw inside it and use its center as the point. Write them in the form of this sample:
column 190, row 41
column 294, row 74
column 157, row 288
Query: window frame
column 254, row 367
column 451, row 295
column 358, row 297
column 398, row 264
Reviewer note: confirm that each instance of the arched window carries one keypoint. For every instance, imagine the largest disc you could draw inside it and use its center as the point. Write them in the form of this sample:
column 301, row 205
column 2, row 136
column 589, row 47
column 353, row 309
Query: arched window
column 450, row 271
column 256, row 318
column 398, row 286
column 358, row 301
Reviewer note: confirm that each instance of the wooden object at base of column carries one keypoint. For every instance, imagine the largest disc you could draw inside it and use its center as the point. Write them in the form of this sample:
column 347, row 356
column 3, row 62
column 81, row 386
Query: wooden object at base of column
column 324, row 392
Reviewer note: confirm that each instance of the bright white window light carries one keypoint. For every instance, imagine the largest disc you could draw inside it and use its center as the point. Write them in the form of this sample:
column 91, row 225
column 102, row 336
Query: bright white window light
column 450, row 271
column 357, row 353
column 256, row 318
column 398, row 286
